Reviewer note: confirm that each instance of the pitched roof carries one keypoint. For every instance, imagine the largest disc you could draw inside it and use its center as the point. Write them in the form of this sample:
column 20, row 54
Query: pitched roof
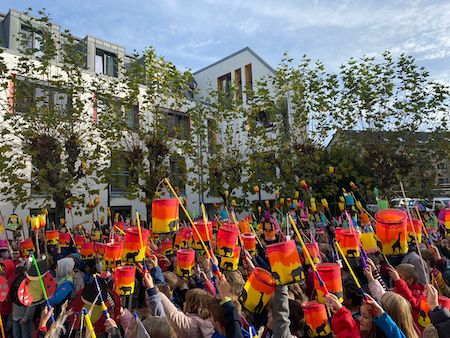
column 233, row 55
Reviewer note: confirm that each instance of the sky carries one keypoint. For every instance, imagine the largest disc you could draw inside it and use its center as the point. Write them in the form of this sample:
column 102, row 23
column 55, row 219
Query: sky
column 195, row 33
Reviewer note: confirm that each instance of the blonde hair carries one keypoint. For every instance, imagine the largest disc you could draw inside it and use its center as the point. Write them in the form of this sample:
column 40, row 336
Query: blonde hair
column 197, row 302
column 407, row 271
column 401, row 312
column 158, row 327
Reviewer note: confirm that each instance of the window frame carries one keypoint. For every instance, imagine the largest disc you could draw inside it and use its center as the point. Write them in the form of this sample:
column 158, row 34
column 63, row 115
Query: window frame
column 104, row 57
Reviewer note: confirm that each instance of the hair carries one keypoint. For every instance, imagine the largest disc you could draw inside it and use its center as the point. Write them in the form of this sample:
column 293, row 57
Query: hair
column 401, row 312
column 158, row 327
column 430, row 332
column 296, row 317
column 375, row 331
column 197, row 301
column 353, row 294
column 407, row 271
column 428, row 257
column 236, row 281
column 171, row 279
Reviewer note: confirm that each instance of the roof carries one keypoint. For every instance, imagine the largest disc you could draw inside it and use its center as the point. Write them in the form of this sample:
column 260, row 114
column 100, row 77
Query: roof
column 233, row 55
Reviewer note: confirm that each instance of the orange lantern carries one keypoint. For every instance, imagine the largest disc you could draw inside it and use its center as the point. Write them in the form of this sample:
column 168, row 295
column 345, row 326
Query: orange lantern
column 424, row 320
column 113, row 252
column 447, row 222
column 166, row 248
column 132, row 250
column 124, row 280
column 87, row 250
column 313, row 249
column 52, row 237
column 230, row 263
column 249, row 240
column 64, row 239
column 183, row 238
column 316, row 319
column 226, row 240
column 26, row 247
column 204, row 232
column 165, row 215
column 391, row 231
column 244, row 225
column 35, row 223
column 364, row 219
column 410, row 232
column 285, row 262
column 79, row 240
column 331, row 276
column 368, row 242
column 349, row 241
column 257, row 290
column 99, row 248
column 185, row 262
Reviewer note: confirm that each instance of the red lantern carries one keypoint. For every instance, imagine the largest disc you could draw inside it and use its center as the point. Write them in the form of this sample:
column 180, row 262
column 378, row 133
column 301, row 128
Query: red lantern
column 79, row 240
column 87, row 250
column 166, row 248
column 26, row 247
column 113, row 252
column 204, row 231
column 230, row 263
column 99, row 248
column 313, row 250
column 331, row 276
column 257, row 290
column 183, row 238
column 391, row 231
column 285, row 262
column 316, row 319
column 165, row 215
column 132, row 250
column 185, row 262
column 64, row 239
column 249, row 240
column 52, row 237
column 244, row 225
column 349, row 242
column 124, row 280
column 410, row 232
column 226, row 240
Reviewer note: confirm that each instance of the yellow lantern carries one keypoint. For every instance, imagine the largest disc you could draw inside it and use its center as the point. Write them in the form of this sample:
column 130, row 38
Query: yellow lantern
column 227, row 193
column 62, row 221
column 277, row 194
column 28, row 219
column 35, row 223
column 324, row 203
column 97, row 200
column 331, row 169
column 42, row 220
column 313, row 206
column 267, row 203
column 296, row 194
column 259, row 209
column 359, row 206
column 282, row 200
column 108, row 212
column 342, row 199
column 341, row 206
column 303, row 184
column 233, row 203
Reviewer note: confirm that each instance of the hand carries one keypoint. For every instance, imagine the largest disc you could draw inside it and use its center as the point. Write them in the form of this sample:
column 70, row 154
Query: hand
column 248, row 260
column 148, row 281
column 152, row 261
column 435, row 251
column 203, row 276
column 45, row 316
column 432, row 296
column 371, row 264
column 110, row 324
column 223, row 287
column 374, row 305
column 368, row 273
column 393, row 273
column 332, row 302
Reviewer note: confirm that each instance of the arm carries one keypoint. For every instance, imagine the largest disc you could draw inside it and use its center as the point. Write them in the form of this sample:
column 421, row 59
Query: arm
column 124, row 320
column 154, row 303
column 280, row 312
column 209, row 286
column 376, row 289
column 344, row 326
column 61, row 294
column 232, row 322
column 440, row 318
column 157, row 275
column 388, row 326
column 403, row 290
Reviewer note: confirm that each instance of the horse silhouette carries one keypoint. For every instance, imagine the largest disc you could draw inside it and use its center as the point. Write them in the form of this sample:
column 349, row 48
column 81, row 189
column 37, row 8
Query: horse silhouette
column 185, row 272
column 297, row 273
column 397, row 245
column 126, row 290
column 276, row 276
column 228, row 266
column 243, row 296
column 173, row 226
column 132, row 256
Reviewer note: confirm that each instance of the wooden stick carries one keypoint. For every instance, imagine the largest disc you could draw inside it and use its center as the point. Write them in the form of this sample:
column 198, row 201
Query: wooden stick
column 348, row 265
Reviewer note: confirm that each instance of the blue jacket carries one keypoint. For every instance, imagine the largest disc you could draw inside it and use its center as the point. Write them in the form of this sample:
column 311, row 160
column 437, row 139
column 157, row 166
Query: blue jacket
column 388, row 326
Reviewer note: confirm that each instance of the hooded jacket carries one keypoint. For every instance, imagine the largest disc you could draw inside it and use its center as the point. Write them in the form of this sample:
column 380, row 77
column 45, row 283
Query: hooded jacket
column 10, row 268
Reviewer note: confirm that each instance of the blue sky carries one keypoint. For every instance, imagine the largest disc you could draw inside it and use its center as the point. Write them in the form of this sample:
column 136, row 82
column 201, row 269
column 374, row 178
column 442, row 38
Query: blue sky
column 195, row 33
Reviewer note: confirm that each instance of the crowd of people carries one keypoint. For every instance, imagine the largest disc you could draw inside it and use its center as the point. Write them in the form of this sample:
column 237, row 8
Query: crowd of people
column 386, row 296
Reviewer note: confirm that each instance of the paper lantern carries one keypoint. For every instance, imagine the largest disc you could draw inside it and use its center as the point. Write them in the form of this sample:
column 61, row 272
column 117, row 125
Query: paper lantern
column 349, row 200
column 99, row 248
column 113, row 252
column 166, row 248
column 230, row 263
column 165, row 215
column 447, row 222
column 64, row 239
column 42, row 220
column 285, row 262
column 52, row 237
column 312, row 205
column 391, row 231
column 331, row 276
column 183, row 238
column 204, row 232
column 185, row 262
column 35, row 223
column 124, row 280
column 316, row 319
column 349, row 241
column 79, row 240
column 87, row 250
column 249, row 240
column 410, row 232
column 244, row 225
column 257, row 290
column 132, row 250
column 226, row 240
column 341, row 206
column 313, row 249
column 368, row 242
column 364, row 219
column 424, row 320
column 26, row 247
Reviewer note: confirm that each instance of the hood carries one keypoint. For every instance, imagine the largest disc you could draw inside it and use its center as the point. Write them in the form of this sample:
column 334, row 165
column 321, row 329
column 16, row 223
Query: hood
column 10, row 268
column 205, row 326
column 65, row 268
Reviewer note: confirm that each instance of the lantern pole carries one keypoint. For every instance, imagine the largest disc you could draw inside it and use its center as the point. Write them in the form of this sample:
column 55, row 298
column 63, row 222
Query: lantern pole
column 348, row 265
column 41, row 282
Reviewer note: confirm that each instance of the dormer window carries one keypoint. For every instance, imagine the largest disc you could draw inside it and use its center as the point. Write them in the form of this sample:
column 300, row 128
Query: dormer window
column 106, row 63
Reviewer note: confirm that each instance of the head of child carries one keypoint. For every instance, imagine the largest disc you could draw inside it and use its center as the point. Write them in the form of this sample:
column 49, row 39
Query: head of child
column 197, row 303
column 158, row 327
column 400, row 311
column 353, row 298
column 408, row 273
column 366, row 323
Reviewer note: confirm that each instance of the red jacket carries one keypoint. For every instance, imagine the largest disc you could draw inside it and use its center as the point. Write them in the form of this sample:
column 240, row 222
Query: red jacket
column 344, row 326
column 413, row 294
column 9, row 273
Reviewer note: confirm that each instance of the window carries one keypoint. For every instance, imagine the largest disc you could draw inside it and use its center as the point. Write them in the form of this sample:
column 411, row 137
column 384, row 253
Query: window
column 444, row 180
column 31, row 96
column 124, row 212
column 106, row 63
column 212, row 136
column 263, row 118
column 178, row 172
column 248, row 80
column 238, row 83
column 442, row 166
column 178, row 124
column 132, row 116
column 120, row 175
column 224, row 84
column 30, row 40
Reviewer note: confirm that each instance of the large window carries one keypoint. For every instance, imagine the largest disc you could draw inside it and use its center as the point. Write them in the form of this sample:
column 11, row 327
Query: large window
column 178, row 124
column 224, row 84
column 131, row 116
column 212, row 136
column 30, row 96
column 30, row 40
column 120, row 175
column 178, row 172
column 106, row 63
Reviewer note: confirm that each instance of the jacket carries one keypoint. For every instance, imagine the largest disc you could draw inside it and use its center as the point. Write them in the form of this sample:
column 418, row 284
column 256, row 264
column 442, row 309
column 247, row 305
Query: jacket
column 153, row 301
column 186, row 325
column 388, row 326
column 344, row 326
column 280, row 313
column 6, row 305
column 413, row 295
column 440, row 318
column 232, row 321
